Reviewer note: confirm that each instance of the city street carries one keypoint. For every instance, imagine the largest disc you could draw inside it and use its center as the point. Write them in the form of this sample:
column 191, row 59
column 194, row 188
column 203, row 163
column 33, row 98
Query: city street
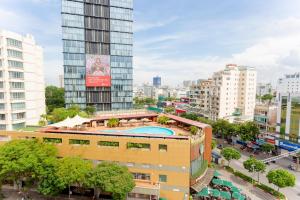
column 291, row 193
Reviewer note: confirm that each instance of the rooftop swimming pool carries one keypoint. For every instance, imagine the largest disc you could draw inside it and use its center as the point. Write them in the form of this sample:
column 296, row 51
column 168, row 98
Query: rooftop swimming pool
column 151, row 130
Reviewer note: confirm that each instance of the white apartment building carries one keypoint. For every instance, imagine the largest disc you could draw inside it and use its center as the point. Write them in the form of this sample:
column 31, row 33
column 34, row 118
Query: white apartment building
column 234, row 91
column 289, row 84
column 22, row 86
column 264, row 88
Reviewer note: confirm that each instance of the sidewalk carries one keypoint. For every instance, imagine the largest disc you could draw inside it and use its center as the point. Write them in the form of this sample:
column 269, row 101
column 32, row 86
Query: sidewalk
column 247, row 188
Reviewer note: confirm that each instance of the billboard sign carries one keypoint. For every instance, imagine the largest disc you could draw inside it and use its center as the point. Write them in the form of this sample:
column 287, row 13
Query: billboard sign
column 98, row 71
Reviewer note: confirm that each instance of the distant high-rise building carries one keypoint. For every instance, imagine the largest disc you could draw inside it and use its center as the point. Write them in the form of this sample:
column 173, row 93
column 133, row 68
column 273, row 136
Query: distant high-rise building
column 22, row 86
column 288, row 103
column 157, row 81
column 289, row 84
column 187, row 84
column 264, row 88
column 61, row 81
column 97, row 46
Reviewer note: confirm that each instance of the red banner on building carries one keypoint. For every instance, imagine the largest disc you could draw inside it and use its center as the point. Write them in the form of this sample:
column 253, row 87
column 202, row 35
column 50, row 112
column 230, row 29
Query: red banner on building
column 98, row 71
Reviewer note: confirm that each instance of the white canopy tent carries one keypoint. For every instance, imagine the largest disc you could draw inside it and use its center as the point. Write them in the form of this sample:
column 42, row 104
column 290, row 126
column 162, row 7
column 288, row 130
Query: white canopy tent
column 71, row 122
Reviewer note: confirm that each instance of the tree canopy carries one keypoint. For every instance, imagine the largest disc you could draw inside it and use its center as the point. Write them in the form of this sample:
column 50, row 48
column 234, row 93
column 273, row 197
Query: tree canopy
column 73, row 171
column 281, row 178
column 248, row 131
column 60, row 114
column 254, row 165
column 25, row 160
column 112, row 178
column 230, row 153
column 55, row 98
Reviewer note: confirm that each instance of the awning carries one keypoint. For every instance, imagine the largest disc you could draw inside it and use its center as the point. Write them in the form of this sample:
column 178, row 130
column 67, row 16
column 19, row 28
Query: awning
column 215, row 192
column 225, row 195
column 203, row 193
column 236, row 195
column 235, row 189
column 227, row 183
column 217, row 174
column 217, row 181
column 204, row 181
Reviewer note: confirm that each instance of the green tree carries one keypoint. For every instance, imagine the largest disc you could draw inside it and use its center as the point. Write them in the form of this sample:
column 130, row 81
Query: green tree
column 190, row 116
column 90, row 110
column 25, row 161
column 113, row 122
column 254, row 165
column 169, row 109
column 162, row 119
column 112, row 178
column 60, row 114
column 248, row 131
column 281, row 178
column 213, row 144
column 230, row 154
column 55, row 98
column 267, row 97
column 267, row 147
column 194, row 130
column 73, row 171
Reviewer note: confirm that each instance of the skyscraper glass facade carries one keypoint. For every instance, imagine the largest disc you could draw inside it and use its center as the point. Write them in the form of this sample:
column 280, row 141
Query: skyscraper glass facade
column 97, row 46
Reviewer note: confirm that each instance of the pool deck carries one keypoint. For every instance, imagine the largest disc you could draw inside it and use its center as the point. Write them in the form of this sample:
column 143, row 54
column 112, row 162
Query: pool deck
column 177, row 130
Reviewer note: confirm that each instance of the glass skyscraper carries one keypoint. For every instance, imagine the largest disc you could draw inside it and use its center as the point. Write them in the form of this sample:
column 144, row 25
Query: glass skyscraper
column 97, row 48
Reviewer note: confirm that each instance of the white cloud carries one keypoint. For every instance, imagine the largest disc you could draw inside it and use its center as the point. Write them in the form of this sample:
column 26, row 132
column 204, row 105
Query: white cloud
column 273, row 56
column 144, row 26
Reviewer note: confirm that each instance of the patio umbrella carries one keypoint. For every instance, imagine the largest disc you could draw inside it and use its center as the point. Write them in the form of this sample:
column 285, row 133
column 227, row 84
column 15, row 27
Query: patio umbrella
column 171, row 121
column 235, row 189
column 242, row 197
column 133, row 121
column 145, row 120
column 216, row 181
column 203, row 193
column 227, row 183
column 123, row 121
column 236, row 195
column 225, row 195
column 216, row 173
column 215, row 193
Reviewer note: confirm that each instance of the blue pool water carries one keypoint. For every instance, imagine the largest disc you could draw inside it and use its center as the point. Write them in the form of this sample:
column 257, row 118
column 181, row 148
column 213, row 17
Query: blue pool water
column 155, row 130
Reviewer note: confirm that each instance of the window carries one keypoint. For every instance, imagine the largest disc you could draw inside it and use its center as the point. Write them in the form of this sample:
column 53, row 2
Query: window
column 17, row 106
column 131, row 145
column 17, row 95
column 141, row 176
column 18, row 126
column 52, row 140
column 14, row 43
column 1, row 95
column 18, row 116
column 16, row 75
column 108, row 144
column 16, row 64
column 163, row 147
column 163, row 178
column 2, row 116
column 80, row 142
column 16, row 85
column 14, row 54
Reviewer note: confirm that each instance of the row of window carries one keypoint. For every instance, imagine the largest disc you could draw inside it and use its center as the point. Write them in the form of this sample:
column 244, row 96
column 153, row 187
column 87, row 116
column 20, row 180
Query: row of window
column 15, row 116
column 130, row 145
column 147, row 177
column 14, row 43
column 14, row 54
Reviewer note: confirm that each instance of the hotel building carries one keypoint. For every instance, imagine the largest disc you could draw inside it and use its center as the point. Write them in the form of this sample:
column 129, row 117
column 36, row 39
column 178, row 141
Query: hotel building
column 164, row 166
column 97, row 48
column 22, row 92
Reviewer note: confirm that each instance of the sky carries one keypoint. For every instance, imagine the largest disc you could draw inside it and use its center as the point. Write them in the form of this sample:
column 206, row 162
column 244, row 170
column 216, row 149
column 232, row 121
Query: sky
column 181, row 40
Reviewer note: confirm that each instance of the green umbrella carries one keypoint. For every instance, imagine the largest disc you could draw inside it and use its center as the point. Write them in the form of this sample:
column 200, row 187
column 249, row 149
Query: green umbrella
column 235, row 189
column 216, row 181
column 203, row 193
column 215, row 193
column 227, row 183
column 217, row 174
column 225, row 195
column 236, row 195
column 242, row 197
